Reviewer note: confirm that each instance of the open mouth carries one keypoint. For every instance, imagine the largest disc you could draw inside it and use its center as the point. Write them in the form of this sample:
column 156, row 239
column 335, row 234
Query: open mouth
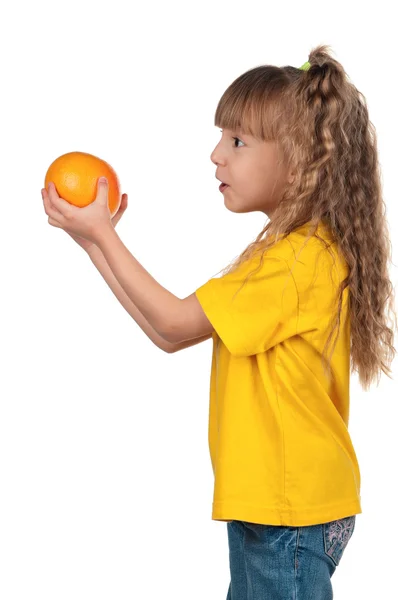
column 223, row 186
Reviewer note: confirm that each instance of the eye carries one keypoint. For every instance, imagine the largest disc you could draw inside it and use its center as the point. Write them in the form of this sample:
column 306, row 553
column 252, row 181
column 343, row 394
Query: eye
column 235, row 138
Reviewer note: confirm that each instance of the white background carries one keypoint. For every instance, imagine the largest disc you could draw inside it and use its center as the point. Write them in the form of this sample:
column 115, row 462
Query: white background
column 105, row 476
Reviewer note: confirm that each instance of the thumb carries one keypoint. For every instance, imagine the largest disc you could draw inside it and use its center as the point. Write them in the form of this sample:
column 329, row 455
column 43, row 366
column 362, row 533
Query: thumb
column 102, row 190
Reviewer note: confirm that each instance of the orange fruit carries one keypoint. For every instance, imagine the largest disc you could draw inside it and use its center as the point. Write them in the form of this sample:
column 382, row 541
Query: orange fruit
column 75, row 176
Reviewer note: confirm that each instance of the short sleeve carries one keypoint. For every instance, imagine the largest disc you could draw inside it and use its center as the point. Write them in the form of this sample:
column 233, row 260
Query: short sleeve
column 253, row 316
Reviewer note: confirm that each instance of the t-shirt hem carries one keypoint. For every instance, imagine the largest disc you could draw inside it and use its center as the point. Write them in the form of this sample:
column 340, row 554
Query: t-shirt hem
column 230, row 511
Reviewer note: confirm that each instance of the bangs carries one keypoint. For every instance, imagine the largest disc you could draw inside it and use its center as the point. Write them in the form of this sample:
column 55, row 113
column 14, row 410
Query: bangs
column 252, row 104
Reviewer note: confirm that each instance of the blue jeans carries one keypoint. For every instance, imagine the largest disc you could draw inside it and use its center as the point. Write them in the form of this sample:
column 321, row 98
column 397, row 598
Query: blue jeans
column 277, row 562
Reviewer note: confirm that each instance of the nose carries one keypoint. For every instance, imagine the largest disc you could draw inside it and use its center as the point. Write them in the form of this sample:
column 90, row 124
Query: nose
column 215, row 156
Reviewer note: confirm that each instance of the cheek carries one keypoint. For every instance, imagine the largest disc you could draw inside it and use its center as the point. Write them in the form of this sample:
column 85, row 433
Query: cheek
column 270, row 177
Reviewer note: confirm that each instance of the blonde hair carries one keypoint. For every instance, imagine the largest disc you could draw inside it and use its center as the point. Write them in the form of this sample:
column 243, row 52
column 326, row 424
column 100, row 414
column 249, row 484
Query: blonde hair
column 320, row 122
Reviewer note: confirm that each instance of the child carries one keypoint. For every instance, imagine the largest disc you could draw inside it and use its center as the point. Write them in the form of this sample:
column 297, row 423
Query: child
column 303, row 306
column 286, row 474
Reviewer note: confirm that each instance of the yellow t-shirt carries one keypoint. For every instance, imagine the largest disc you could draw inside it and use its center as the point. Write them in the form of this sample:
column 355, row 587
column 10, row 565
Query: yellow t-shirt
column 278, row 426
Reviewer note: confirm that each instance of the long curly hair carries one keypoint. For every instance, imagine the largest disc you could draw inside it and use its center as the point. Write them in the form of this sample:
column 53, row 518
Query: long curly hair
column 320, row 122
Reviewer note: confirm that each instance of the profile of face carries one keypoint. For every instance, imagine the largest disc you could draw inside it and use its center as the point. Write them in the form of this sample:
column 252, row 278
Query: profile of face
column 253, row 170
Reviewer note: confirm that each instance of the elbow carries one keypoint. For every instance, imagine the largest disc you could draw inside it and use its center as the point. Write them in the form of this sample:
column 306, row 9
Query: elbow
column 171, row 335
column 172, row 331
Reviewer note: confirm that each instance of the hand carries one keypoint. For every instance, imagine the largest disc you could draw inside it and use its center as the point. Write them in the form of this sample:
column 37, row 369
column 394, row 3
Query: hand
column 83, row 242
column 90, row 222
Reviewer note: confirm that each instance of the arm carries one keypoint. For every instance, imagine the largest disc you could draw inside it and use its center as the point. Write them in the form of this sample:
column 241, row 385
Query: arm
column 174, row 319
column 188, row 343
column 97, row 258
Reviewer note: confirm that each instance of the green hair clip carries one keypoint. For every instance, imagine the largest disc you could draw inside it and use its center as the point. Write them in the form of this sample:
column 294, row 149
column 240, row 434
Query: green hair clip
column 305, row 66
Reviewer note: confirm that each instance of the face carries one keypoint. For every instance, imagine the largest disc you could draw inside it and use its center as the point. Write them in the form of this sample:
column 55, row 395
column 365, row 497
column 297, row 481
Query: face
column 254, row 171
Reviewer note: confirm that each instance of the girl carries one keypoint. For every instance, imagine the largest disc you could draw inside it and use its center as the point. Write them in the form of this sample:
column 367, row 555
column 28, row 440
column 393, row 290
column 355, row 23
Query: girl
column 303, row 306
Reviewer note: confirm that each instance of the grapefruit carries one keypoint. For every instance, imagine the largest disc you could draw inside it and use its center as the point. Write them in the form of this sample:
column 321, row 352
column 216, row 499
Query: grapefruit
column 75, row 176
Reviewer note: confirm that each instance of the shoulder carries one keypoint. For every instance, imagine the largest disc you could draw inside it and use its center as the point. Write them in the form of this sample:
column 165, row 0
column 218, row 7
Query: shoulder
column 313, row 259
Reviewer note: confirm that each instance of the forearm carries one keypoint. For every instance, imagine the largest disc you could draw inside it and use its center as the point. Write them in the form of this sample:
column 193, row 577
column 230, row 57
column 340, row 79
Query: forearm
column 98, row 259
column 159, row 306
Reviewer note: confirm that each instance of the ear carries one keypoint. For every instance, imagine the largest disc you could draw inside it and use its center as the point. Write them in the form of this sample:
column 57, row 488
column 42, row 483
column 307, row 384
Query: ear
column 291, row 177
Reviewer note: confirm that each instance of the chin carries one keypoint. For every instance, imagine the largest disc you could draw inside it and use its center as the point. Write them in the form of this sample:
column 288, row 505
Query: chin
column 238, row 209
column 237, row 206
column 232, row 207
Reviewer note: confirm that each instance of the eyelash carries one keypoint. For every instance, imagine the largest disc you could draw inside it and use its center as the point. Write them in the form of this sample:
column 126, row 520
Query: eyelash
column 235, row 138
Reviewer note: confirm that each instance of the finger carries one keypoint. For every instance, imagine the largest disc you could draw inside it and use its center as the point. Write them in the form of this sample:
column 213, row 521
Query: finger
column 118, row 215
column 102, row 190
column 59, row 203
column 54, row 222
column 49, row 208
column 123, row 205
column 47, row 201
column 52, row 191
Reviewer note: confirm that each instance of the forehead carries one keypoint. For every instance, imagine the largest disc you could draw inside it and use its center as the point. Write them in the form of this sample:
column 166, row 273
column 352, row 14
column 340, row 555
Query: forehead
column 237, row 128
